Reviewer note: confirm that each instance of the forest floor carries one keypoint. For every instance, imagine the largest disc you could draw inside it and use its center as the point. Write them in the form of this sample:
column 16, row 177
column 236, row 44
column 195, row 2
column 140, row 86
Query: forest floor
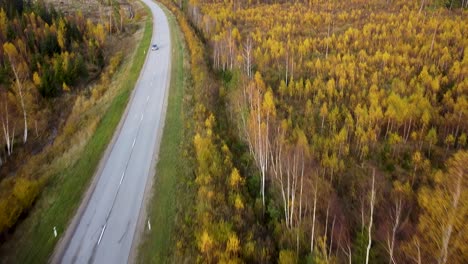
column 157, row 243
column 69, row 173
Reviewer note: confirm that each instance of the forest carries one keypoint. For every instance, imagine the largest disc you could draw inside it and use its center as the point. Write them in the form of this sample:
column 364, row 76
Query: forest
column 47, row 60
column 326, row 131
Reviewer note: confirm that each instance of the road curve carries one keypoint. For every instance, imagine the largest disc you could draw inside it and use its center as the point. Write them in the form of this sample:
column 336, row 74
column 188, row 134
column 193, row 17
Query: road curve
column 105, row 231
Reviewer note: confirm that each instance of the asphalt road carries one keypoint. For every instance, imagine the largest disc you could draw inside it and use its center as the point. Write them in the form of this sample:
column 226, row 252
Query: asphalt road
column 105, row 232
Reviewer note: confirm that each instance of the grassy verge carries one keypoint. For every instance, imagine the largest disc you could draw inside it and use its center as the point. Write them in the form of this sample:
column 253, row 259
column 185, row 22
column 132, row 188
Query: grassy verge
column 157, row 245
column 33, row 240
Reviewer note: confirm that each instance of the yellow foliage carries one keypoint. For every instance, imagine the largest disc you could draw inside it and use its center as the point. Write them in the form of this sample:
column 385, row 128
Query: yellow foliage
column 206, row 243
column 233, row 244
column 268, row 103
column 238, row 204
column 65, row 87
column 235, row 179
column 20, row 198
column 100, row 34
column 3, row 22
column 115, row 62
column 36, row 79
column 10, row 50
column 25, row 191
column 61, row 33
column 287, row 257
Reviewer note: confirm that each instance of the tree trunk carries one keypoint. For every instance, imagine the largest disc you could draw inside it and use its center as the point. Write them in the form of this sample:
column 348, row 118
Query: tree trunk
column 422, row 6
column 231, row 55
column 20, row 92
column 331, row 237
column 300, row 205
column 369, row 244
column 391, row 241
column 449, row 228
column 433, row 40
column 110, row 22
column 326, row 222
column 6, row 131
column 287, row 67
column 313, row 221
column 247, row 57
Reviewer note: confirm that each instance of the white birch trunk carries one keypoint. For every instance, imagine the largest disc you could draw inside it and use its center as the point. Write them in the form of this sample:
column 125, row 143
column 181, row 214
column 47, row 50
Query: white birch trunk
column 447, row 233
column 313, row 221
column 20, row 92
column 372, row 200
column 396, row 223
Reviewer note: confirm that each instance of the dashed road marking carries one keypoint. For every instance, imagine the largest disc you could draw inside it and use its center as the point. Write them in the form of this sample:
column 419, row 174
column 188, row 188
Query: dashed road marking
column 102, row 233
column 121, row 178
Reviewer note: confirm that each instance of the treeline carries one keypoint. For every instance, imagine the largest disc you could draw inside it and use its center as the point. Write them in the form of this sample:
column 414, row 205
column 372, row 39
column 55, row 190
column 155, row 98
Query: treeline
column 43, row 55
column 353, row 112
column 221, row 225
column 243, row 4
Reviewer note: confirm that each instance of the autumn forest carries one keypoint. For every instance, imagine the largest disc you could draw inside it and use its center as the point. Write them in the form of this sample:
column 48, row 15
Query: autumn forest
column 333, row 132
column 315, row 131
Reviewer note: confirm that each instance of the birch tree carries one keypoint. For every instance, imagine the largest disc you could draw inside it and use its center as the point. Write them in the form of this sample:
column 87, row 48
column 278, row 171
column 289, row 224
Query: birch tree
column 312, row 233
column 261, row 108
column 396, row 218
column 399, row 212
column 442, row 224
column 287, row 163
column 9, row 138
column 247, row 55
column 20, row 71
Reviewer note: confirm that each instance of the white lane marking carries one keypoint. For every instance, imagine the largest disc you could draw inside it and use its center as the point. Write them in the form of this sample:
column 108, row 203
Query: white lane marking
column 149, row 225
column 121, row 178
column 147, row 98
column 133, row 145
column 141, row 119
column 102, row 233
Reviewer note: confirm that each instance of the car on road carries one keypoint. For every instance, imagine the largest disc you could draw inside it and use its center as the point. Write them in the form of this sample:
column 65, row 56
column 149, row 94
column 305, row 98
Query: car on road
column 154, row 47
